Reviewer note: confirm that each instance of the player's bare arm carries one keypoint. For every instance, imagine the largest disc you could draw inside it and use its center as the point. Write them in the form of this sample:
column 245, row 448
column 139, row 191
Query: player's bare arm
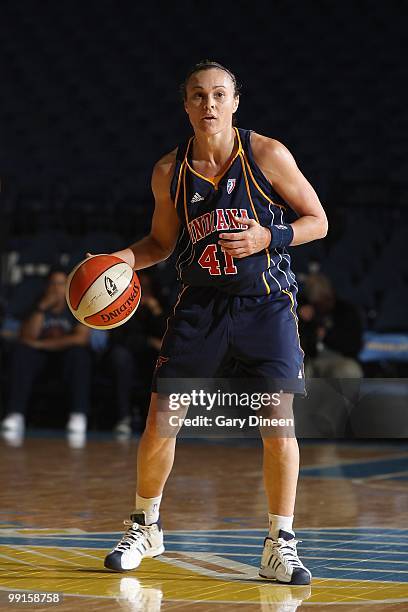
column 280, row 168
column 160, row 243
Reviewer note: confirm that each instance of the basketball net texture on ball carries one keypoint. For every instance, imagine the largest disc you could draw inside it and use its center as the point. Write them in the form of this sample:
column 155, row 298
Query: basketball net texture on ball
column 103, row 292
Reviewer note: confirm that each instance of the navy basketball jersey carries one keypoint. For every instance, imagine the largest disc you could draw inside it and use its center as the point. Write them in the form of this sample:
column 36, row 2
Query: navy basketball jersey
column 206, row 208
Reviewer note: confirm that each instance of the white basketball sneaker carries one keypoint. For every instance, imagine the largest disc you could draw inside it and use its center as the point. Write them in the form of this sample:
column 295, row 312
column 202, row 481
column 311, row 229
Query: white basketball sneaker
column 140, row 541
column 123, row 427
column 280, row 560
column 77, row 423
column 14, row 422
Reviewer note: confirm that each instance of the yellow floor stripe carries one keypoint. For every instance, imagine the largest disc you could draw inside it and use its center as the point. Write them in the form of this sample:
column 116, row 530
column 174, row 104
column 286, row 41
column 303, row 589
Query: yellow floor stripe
column 80, row 571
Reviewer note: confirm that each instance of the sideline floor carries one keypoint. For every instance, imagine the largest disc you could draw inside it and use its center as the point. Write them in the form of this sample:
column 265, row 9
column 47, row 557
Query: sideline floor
column 62, row 508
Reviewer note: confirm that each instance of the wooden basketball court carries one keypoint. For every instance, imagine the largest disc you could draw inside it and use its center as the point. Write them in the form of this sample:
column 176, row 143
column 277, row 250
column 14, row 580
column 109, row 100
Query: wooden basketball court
column 62, row 509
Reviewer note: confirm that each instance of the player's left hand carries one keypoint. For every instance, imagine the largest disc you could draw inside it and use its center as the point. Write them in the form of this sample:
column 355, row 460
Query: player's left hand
column 245, row 242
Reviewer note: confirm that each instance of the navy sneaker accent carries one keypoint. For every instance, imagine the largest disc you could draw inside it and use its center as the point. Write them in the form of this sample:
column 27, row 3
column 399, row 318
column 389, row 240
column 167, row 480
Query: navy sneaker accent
column 139, row 541
column 280, row 561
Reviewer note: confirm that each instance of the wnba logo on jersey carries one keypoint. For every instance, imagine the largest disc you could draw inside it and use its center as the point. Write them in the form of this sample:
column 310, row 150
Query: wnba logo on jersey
column 231, row 185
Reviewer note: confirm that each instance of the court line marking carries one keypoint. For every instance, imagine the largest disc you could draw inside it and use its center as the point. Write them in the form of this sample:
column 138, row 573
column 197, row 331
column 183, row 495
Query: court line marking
column 42, row 554
column 216, row 544
column 69, row 531
column 394, row 548
column 390, row 475
column 252, row 603
column 338, row 549
column 365, row 602
column 16, row 560
column 213, row 573
column 251, row 568
column 326, row 545
column 257, row 547
column 356, row 561
column 318, row 557
column 210, row 533
column 83, row 554
column 2, row 588
column 345, row 540
column 341, row 530
column 345, row 530
column 363, row 569
column 389, row 485
column 224, row 576
column 367, row 530
column 248, row 569
column 304, row 539
column 318, row 582
column 370, row 602
column 220, row 560
column 218, row 556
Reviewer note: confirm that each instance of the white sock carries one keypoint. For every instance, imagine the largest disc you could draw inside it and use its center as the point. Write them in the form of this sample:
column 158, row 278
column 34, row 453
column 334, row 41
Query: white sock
column 149, row 505
column 277, row 522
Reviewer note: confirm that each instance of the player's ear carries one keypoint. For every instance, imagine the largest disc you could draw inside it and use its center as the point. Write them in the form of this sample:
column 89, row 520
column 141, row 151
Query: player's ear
column 236, row 104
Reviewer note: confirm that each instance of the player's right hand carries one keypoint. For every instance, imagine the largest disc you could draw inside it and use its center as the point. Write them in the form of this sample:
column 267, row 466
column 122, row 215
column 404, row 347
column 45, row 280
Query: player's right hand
column 126, row 255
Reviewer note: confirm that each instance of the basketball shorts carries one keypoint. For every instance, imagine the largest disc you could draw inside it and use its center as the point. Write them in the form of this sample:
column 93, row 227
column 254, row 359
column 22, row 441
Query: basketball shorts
column 209, row 328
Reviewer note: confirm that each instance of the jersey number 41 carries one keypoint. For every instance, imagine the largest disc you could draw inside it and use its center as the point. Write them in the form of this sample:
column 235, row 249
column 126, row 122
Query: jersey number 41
column 210, row 260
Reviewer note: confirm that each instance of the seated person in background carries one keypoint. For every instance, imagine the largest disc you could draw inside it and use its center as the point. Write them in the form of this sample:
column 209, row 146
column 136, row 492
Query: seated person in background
column 331, row 331
column 134, row 348
column 50, row 334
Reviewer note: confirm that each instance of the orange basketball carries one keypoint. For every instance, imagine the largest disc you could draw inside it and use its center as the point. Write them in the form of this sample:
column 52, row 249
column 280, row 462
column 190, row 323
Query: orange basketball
column 103, row 292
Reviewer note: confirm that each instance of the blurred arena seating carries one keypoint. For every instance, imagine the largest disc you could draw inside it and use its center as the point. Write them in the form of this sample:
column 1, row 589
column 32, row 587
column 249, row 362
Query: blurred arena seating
column 366, row 261
column 90, row 101
column 86, row 92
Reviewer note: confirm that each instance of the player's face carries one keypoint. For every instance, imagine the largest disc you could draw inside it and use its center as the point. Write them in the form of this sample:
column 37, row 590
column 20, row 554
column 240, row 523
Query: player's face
column 210, row 101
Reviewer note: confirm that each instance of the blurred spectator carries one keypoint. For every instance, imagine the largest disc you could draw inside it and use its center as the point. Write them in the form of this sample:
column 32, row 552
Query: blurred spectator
column 133, row 351
column 50, row 336
column 331, row 331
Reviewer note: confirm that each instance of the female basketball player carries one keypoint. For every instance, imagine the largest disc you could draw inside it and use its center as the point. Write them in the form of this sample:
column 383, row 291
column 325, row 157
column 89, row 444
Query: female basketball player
column 238, row 296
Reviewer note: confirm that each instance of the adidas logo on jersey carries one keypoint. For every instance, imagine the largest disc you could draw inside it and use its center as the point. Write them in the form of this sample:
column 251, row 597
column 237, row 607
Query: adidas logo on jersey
column 196, row 198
